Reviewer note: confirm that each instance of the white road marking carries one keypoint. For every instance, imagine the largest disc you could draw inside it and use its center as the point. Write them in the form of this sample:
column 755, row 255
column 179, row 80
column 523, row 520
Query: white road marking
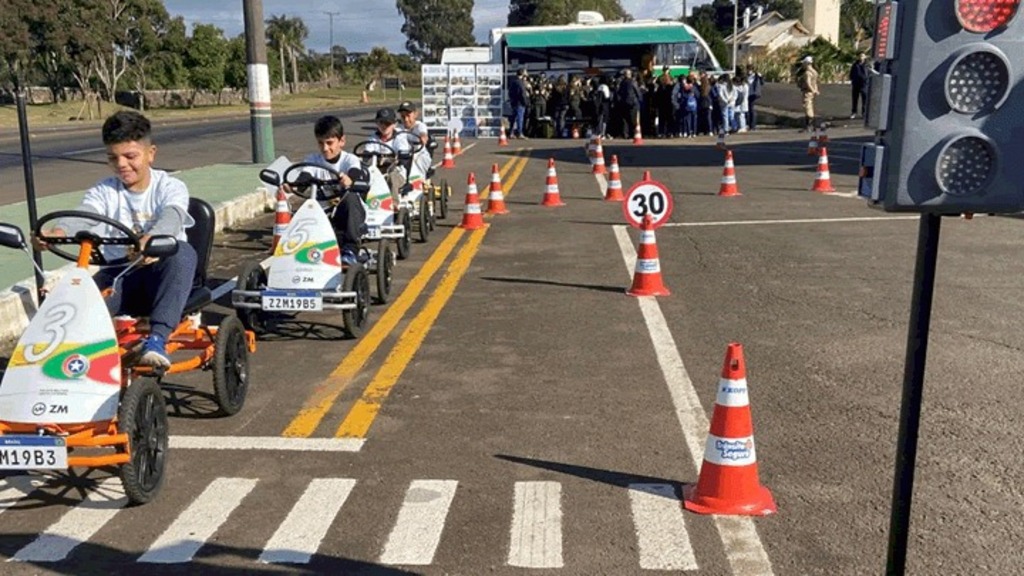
column 84, row 151
column 300, row 535
column 742, row 544
column 15, row 488
column 792, row 221
column 77, row 525
column 193, row 527
column 266, row 443
column 536, row 540
column 660, row 528
column 417, row 532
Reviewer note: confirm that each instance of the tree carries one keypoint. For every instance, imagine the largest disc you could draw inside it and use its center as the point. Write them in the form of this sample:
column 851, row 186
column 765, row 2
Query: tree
column 433, row 25
column 205, row 58
column 287, row 36
column 235, row 74
column 557, row 12
column 856, row 22
column 15, row 40
column 119, row 31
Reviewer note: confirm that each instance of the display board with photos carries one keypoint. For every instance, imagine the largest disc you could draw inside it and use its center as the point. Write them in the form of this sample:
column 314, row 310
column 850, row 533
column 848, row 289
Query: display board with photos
column 488, row 100
column 434, row 111
column 470, row 94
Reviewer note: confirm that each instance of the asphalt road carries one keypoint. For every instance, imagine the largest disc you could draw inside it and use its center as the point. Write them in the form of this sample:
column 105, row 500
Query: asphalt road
column 513, row 410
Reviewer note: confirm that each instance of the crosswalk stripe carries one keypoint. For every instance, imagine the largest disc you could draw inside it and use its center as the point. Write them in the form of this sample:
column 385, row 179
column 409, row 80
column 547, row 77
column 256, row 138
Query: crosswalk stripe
column 186, row 535
column 76, row 525
column 536, row 539
column 660, row 528
column 16, row 488
column 417, row 532
column 300, row 535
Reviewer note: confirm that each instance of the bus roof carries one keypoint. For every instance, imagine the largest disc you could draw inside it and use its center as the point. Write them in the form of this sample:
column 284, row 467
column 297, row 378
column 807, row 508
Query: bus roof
column 624, row 33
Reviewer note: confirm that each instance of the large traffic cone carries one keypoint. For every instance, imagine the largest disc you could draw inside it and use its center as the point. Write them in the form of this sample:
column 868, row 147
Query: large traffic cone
column 638, row 138
column 552, row 197
column 598, row 157
column 812, row 144
column 728, row 482
column 495, row 198
column 502, row 137
column 456, row 145
column 282, row 218
column 822, row 180
column 729, row 187
column 614, row 193
column 647, row 274
column 472, row 218
column 449, row 160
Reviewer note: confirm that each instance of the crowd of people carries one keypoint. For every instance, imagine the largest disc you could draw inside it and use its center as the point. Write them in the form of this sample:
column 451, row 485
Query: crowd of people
column 663, row 105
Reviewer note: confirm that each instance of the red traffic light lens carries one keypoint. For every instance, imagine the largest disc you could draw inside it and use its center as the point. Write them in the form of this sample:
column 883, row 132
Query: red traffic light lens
column 982, row 16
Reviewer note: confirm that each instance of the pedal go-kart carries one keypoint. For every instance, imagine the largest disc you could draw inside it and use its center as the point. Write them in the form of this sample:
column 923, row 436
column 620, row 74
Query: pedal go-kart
column 386, row 219
column 71, row 397
column 306, row 274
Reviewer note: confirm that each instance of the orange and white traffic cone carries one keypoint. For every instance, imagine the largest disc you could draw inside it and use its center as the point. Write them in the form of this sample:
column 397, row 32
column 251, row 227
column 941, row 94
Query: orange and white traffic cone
column 598, row 157
column 823, row 135
column 449, row 160
column 551, row 196
column 720, row 143
column 495, row 198
column 812, row 144
column 729, row 187
column 614, row 193
column 638, row 138
column 591, row 148
column 822, row 180
column 472, row 218
column 502, row 137
column 728, row 482
column 647, row 176
column 282, row 218
column 456, row 145
column 647, row 274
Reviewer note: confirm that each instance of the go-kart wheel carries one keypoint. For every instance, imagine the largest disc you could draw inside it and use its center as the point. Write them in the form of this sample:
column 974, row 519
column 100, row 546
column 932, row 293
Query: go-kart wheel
column 443, row 200
column 423, row 218
column 385, row 270
column 252, row 277
column 142, row 416
column 358, row 281
column 405, row 242
column 230, row 366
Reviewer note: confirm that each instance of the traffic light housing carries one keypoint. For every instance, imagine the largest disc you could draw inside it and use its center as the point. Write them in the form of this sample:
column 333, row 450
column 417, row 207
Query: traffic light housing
column 947, row 104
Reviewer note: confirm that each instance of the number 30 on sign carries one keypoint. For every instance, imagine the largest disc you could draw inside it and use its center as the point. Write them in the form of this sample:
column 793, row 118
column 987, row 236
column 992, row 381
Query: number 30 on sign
column 647, row 197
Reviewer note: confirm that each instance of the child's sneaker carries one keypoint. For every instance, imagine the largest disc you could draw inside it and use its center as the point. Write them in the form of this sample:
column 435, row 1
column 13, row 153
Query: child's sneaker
column 348, row 257
column 154, row 352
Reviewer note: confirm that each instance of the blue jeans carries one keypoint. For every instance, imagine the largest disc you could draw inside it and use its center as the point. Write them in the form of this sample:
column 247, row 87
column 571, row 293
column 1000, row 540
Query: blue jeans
column 519, row 116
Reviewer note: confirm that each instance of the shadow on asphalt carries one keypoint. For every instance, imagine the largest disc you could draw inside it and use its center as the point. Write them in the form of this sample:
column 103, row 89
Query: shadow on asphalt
column 616, row 289
column 611, row 477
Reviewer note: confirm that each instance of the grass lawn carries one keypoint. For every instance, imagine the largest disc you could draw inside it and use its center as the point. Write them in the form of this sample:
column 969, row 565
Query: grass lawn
column 325, row 99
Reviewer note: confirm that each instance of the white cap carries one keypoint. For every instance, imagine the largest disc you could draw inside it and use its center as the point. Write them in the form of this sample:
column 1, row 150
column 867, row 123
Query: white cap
column 807, row 59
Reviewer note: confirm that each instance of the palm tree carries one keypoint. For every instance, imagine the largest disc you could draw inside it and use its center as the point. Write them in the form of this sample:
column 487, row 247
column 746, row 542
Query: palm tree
column 287, row 35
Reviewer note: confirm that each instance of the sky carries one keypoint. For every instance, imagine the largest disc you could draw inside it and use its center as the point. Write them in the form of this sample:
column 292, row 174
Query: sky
column 362, row 24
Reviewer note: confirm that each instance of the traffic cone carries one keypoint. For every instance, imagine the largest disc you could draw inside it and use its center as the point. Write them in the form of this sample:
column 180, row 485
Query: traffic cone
column 282, row 218
column 472, row 218
column 647, row 274
column 598, row 157
column 449, row 160
column 591, row 148
column 552, row 197
column 823, row 135
column 647, row 176
column 502, row 137
column 495, row 199
column 729, row 187
column 822, row 180
column 812, row 144
column 614, row 193
column 720, row 144
column 638, row 138
column 728, row 481
column 457, row 145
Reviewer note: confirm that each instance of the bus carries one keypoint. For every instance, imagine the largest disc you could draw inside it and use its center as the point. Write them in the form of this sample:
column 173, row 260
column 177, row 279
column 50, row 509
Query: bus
column 592, row 47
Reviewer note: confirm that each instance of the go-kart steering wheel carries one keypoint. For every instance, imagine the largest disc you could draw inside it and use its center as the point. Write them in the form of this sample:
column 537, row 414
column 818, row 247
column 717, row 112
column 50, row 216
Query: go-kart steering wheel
column 415, row 143
column 384, row 151
column 303, row 183
column 116, row 234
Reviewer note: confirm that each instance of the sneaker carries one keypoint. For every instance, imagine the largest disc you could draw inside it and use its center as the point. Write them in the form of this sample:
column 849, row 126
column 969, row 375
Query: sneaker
column 348, row 257
column 154, row 352
column 852, row 116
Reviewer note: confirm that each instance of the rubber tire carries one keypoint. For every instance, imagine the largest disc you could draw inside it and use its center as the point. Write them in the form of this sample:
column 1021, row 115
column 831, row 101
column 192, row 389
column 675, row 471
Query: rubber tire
column 230, row 366
column 252, row 277
column 385, row 271
column 404, row 244
column 445, row 191
column 358, row 281
column 423, row 219
column 142, row 416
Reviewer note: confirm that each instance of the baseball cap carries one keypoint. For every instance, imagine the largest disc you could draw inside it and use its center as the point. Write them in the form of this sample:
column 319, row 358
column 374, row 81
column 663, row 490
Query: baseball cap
column 807, row 59
column 385, row 115
column 407, row 106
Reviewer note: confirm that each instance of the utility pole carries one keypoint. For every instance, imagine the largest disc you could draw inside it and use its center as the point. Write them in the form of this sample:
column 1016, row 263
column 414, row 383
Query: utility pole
column 683, row 19
column 735, row 30
column 260, row 119
column 330, row 48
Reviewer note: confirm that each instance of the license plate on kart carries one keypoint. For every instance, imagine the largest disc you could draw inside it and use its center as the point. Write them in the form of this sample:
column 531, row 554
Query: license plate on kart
column 291, row 302
column 33, row 453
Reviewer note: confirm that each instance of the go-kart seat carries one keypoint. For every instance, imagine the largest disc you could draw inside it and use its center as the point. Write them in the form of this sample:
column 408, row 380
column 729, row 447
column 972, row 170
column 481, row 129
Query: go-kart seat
column 200, row 237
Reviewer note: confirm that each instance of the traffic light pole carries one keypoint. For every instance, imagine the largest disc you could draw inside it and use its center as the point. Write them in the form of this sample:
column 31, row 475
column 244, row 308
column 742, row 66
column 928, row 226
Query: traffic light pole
column 913, row 388
column 30, row 187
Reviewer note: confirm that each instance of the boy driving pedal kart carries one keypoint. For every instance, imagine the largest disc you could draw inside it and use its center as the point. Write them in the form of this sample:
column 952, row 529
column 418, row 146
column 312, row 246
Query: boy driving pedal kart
column 414, row 127
column 150, row 202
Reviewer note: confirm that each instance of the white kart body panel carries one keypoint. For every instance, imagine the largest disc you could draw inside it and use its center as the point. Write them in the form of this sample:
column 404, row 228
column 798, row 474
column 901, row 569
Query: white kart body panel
column 380, row 205
column 66, row 367
column 307, row 256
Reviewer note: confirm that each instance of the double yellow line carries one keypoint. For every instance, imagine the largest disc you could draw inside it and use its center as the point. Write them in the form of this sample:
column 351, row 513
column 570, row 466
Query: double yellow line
column 360, row 417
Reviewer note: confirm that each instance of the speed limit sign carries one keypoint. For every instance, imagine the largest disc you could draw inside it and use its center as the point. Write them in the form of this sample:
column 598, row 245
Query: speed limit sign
column 647, row 197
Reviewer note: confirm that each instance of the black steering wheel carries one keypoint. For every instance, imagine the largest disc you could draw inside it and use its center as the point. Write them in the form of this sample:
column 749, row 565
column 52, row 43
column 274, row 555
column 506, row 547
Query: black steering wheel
column 304, row 185
column 98, row 229
column 385, row 152
column 414, row 142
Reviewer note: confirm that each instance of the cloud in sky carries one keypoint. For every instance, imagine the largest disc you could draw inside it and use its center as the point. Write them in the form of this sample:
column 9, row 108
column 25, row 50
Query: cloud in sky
column 359, row 25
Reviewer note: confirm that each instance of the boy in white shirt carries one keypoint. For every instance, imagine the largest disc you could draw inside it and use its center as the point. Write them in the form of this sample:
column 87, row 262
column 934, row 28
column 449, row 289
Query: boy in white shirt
column 413, row 126
column 388, row 133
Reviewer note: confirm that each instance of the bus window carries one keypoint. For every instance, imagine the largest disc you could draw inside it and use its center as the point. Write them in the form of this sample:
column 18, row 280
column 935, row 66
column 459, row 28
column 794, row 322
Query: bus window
column 689, row 54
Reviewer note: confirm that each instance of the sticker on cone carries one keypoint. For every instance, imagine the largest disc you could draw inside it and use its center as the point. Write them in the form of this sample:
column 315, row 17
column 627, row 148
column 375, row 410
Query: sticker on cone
column 647, row 198
column 728, row 482
column 647, row 274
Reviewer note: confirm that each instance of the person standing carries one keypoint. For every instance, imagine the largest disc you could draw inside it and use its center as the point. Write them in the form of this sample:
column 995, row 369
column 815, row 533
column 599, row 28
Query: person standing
column 859, row 85
column 630, row 99
column 518, row 98
column 755, row 82
column 807, row 81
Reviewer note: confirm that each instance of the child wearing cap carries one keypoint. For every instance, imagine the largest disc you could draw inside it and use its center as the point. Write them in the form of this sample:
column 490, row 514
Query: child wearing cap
column 415, row 128
column 387, row 133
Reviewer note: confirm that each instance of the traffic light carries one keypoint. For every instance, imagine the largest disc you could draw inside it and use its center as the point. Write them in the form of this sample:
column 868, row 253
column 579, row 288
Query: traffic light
column 947, row 104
